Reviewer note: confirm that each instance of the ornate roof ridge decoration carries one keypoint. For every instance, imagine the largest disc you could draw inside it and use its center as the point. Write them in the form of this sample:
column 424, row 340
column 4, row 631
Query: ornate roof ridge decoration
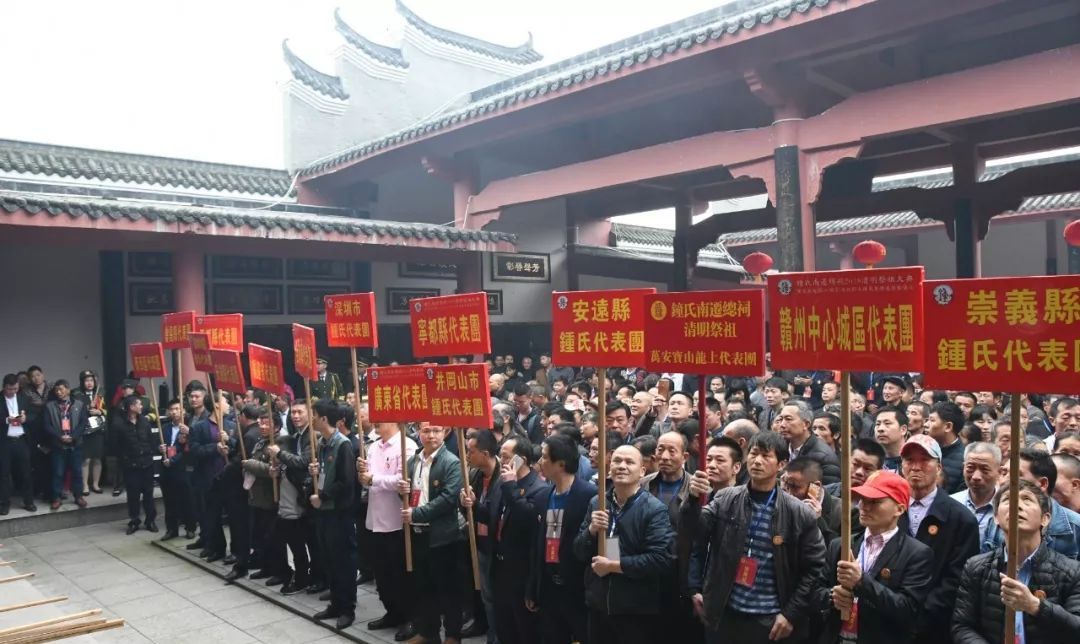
column 23, row 157
column 382, row 53
column 76, row 207
column 321, row 82
column 527, row 87
column 521, row 55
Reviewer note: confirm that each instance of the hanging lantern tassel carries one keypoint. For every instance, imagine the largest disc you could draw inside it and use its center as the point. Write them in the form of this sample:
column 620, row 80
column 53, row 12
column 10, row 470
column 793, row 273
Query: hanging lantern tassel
column 1072, row 234
column 757, row 263
column 869, row 252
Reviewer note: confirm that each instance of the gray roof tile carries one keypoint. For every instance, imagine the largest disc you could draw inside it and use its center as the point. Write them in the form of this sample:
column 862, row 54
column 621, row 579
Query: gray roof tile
column 520, row 55
column 22, row 157
column 382, row 53
column 103, row 208
column 688, row 34
column 320, row 82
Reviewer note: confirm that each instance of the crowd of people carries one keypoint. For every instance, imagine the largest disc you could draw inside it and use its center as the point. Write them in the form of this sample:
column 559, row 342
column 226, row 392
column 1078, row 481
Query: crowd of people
column 746, row 549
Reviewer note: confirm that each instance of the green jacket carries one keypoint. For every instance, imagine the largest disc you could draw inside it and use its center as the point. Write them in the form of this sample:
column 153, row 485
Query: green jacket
column 329, row 389
column 444, row 485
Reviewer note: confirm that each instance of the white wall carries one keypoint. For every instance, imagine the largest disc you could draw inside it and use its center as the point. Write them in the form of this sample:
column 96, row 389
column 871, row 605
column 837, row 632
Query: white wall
column 1010, row 249
column 597, row 283
column 51, row 314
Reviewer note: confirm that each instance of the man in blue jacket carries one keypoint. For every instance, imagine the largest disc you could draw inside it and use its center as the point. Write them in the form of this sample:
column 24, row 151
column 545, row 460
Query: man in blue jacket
column 624, row 587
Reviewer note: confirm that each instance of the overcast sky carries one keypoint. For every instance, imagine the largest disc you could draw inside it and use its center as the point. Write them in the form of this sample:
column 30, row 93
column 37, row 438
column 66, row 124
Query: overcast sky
column 201, row 79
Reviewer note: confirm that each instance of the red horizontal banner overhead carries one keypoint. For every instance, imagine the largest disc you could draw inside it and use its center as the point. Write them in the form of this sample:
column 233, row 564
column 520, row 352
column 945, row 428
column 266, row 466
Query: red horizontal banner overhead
column 200, row 351
column 175, row 328
column 267, row 372
column 226, row 331
column 228, row 371
column 856, row 320
column 350, row 320
column 399, row 394
column 303, row 338
column 599, row 328
column 1003, row 334
column 450, row 325
column 459, row 395
column 147, row 360
column 706, row 332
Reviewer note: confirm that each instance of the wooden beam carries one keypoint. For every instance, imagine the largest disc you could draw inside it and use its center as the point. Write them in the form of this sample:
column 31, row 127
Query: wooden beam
column 706, row 231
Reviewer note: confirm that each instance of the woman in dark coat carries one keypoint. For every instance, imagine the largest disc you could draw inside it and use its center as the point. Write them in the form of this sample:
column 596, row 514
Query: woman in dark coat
column 94, row 440
column 1046, row 595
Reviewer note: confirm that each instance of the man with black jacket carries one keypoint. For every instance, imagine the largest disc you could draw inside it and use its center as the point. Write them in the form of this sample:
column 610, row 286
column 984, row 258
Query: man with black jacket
column 555, row 574
column 951, row 531
column 175, row 487
column 137, row 445
column 201, row 461
column 15, row 447
column 484, row 497
column 796, row 426
column 66, row 420
column 884, row 587
column 764, row 553
column 232, row 494
column 624, row 587
column 522, row 498
column 332, row 499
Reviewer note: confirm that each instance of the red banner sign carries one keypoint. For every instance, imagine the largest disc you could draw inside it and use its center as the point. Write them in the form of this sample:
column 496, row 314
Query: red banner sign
column 147, row 360
column 1003, row 334
column 175, row 328
column 303, row 340
column 857, row 320
column 450, row 325
column 228, row 371
column 599, row 328
column 226, row 331
column 706, row 332
column 399, row 394
column 267, row 372
column 459, row 395
column 350, row 320
column 200, row 351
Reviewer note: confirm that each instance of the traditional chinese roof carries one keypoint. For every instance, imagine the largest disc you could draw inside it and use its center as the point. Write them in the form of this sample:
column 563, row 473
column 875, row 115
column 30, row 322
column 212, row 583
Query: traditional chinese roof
column 292, row 220
column 42, row 161
column 697, row 31
column 520, row 55
column 320, row 82
column 659, row 241
column 908, row 219
column 382, row 53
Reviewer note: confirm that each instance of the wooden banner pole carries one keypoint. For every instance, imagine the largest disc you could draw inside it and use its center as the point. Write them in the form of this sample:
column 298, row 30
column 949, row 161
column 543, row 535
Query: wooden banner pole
column 178, row 360
column 25, row 575
column 8, row 632
column 845, row 472
column 601, row 458
column 157, row 416
column 31, row 604
column 272, row 439
column 311, row 419
column 406, row 530
column 1012, row 543
column 357, row 404
column 473, row 557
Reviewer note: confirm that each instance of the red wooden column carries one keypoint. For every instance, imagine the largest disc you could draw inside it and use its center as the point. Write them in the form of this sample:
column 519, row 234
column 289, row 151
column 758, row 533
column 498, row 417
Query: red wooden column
column 189, row 288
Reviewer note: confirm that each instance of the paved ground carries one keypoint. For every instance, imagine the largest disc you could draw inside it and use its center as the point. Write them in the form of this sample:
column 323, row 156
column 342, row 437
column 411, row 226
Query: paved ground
column 163, row 598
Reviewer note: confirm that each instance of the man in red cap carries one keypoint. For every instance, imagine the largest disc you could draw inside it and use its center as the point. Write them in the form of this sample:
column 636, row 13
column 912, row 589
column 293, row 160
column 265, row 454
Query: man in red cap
column 882, row 590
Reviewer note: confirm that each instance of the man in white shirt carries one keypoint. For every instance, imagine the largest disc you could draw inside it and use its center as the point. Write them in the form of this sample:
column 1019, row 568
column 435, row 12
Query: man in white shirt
column 380, row 473
column 15, row 448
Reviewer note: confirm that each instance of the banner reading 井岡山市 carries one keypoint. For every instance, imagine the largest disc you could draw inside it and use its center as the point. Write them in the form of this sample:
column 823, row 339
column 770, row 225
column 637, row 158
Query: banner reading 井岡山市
column 1003, row 334
column 601, row 328
column 706, row 332
column 459, row 395
column 853, row 320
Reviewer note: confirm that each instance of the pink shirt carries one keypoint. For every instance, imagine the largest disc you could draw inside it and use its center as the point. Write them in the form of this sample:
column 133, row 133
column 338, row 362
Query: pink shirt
column 384, row 502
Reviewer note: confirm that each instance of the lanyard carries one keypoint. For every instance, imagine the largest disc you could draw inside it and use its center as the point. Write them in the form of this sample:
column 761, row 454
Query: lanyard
column 764, row 516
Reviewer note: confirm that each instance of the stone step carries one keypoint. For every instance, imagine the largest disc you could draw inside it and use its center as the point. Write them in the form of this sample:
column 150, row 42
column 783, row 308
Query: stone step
column 101, row 508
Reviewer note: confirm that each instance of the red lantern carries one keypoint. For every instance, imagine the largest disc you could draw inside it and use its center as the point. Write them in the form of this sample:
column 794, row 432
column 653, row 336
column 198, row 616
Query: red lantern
column 869, row 252
column 757, row 263
column 1072, row 234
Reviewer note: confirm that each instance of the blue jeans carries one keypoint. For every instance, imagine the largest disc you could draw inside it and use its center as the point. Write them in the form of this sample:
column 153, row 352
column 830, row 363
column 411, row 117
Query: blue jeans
column 64, row 459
